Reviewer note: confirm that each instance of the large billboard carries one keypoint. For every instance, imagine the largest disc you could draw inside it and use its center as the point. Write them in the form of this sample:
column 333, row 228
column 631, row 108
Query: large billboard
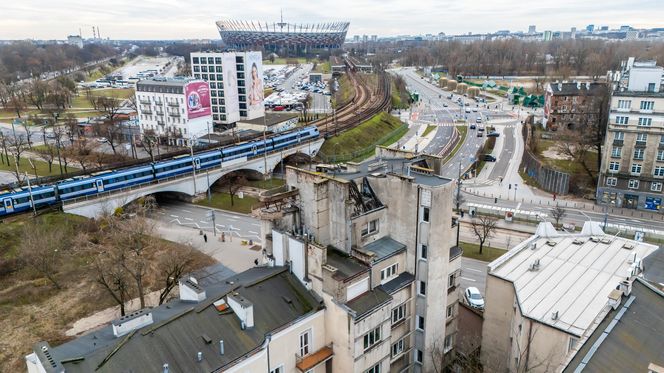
column 198, row 99
column 231, row 100
column 253, row 67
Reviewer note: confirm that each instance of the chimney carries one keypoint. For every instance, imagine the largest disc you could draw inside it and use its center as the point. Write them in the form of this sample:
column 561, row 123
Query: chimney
column 190, row 291
column 243, row 308
column 626, row 287
column 614, row 298
column 132, row 321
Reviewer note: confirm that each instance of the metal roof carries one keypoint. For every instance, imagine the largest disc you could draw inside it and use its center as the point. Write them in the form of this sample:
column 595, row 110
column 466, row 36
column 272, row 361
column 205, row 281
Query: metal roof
column 181, row 330
column 398, row 283
column 629, row 338
column 382, row 248
column 572, row 280
column 654, row 268
column 368, row 301
column 347, row 267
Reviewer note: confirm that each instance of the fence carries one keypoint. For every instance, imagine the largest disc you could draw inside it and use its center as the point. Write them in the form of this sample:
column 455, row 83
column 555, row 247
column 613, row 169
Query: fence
column 347, row 157
column 547, row 178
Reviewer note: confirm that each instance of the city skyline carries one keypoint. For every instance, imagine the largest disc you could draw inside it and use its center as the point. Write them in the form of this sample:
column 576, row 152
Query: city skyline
column 38, row 19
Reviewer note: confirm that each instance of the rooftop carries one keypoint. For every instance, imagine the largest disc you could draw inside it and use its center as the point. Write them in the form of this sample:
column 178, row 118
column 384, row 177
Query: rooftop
column 346, row 266
column 574, row 88
column 629, row 338
column 164, row 82
column 618, row 93
column 368, row 301
column 654, row 268
column 396, row 166
column 182, row 329
column 575, row 274
column 398, row 282
column 382, row 248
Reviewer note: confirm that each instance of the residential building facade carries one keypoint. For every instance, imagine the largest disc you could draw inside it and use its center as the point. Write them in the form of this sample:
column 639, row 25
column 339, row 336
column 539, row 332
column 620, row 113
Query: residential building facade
column 175, row 110
column 573, row 105
column 379, row 251
column 547, row 295
column 236, row 84
column 632, row 168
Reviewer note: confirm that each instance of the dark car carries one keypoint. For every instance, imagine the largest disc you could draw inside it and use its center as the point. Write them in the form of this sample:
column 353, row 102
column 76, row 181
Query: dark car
column 492, row 134
column 480, row 134
column 489, row 158
column 472, row 126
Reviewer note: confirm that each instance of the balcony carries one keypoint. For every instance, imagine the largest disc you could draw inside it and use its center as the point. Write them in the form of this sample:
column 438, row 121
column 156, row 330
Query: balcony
column 618, row 142
column 144, row 102
column 146, row 111
column 159, row 103
column 160, row 112
column 640, row 144
column 174, row 114
column 173, row 104
column 311, row 361
column 161, row 123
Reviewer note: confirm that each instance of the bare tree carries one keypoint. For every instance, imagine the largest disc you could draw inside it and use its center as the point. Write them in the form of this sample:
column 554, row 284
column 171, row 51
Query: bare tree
column 171, row 268
column 113, row 277
column 42, row 249
column 81, row 153
column 484, row 228
column 28, row 132
column 16, row 99
column 47, row 153
column 235, row 183
column 132, row 238
column 37, row 93
column 558, row 213
column 150, row 143
column 17, row 146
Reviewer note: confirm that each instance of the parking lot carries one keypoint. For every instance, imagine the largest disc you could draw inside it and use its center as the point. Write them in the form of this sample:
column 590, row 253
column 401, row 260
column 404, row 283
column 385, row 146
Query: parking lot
column 292, row 88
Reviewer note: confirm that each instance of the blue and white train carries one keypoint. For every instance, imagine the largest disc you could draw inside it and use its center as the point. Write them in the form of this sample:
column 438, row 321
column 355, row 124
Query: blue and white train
column 44, row 195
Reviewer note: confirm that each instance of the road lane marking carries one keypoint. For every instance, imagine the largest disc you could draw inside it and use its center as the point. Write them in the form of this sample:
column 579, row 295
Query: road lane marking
column 252, row 232
column 187, row 211
column 468, row 279
column 174, row 216
column 190, row 219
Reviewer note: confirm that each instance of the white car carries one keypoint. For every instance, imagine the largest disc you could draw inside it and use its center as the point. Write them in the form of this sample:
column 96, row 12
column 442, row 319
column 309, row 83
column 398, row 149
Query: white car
column 474, row 298
column 102, row 140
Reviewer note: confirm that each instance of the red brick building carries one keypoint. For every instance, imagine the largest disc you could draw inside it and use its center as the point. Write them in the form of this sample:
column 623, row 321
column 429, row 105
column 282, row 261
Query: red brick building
column 570, row 105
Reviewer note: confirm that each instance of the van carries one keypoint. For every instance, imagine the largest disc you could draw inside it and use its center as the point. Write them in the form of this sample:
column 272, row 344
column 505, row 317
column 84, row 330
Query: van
column 478, row 120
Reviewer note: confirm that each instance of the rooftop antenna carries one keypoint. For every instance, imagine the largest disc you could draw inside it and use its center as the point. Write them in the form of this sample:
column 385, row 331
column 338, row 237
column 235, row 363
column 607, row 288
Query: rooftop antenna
column 282, row 23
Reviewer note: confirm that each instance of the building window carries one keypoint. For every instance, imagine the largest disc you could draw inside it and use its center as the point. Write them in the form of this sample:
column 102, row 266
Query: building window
column 622, row 120
column 647, row 105
column 425, row 214
column 305, row 343
column 387, row 274
column 638, row 154
column 371, row 338
column 398, row 313
column 659, row 171
column 420, row 322
column 645, row 122
column 611, row 181
column 195, row 60
column 373, row 369
column 619, row 135
column 636, row 169
column 397, row 348
column 656, row 186
column 419, row 356
column 422, row 288
column 633, row 184
column 450, row 311
column 616, row 152
column 660, row 155
column 449, row 343
column 614, row 166
column 279, row 369
column 624, row 104
column 641, row 137
column 423, row 251
column 370, row 228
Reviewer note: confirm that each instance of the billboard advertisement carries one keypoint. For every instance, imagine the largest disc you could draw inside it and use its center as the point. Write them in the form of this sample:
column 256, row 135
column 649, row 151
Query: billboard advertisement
column 253, row 67
column 198, row 99
column 232, row 102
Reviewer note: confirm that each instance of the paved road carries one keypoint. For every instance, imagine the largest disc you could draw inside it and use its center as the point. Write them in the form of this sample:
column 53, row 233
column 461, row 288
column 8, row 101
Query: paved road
column 473, row 273
column 188, row 215
column 506, row 154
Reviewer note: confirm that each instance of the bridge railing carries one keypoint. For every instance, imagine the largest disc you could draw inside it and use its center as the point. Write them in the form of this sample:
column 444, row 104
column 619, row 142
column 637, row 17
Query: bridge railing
column 168, row 179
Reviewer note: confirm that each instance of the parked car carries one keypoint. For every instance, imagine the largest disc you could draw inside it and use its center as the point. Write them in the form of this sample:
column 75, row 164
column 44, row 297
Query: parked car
column 444, row 105
column 480, row 134
column 102, row 140
column 279, row 108
column 489, row 158
column 481, row 129
column 478, row 120
column 474, row 298
column 492, row 134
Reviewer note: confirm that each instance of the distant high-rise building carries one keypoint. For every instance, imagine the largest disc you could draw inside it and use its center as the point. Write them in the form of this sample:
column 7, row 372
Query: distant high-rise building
column 547, row 36
column 76, row 40
column 573, row 33
column 356, row 38
column 604, row 28
column 625, row 28
column 365, row 38
column 374, row 38
column 532, row 29
column 590, row 28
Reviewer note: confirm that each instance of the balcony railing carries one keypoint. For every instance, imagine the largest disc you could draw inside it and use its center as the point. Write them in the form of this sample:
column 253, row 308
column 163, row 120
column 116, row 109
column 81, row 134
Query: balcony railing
column 618, row 142
column 159, row 103
column 640, row 144
column 144, row 102
column 146, row 111
column 174, row 114
column 173, row 104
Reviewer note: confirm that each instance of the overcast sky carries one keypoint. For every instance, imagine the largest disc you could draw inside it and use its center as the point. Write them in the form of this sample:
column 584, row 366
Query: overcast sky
column 184, row 19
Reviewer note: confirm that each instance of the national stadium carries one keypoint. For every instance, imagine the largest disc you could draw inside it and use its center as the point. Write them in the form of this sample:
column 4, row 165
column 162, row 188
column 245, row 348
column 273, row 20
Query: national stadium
column 281, row 37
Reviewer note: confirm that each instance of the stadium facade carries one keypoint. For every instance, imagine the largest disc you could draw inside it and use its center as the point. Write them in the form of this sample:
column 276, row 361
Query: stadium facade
column 282, row 38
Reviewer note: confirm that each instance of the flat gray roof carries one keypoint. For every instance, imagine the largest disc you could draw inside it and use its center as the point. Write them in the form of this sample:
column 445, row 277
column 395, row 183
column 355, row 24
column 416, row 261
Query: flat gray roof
column 270, row 119
column 398, row 166
column 368, row 302
column 347, row 266
column 382, row 248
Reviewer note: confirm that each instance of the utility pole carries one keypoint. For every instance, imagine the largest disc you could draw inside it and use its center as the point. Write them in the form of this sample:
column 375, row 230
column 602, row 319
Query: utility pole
column 193, row 163
column 458, row 193
column 32, row 199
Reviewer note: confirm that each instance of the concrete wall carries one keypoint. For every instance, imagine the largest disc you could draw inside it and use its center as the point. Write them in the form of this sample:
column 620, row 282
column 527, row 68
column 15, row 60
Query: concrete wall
column 498, row 314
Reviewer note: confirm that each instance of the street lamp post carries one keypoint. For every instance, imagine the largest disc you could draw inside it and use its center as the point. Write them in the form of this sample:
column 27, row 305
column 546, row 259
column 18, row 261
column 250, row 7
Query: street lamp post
column 458, row 191
column 32, row 199
column 515, row 187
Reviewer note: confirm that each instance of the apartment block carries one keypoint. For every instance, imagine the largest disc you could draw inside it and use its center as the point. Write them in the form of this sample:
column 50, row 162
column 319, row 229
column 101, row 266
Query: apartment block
column 632, row 169
column 175, row 110
column 378, row 247
column 573, row 105
column 546, row 297
column 236, row 84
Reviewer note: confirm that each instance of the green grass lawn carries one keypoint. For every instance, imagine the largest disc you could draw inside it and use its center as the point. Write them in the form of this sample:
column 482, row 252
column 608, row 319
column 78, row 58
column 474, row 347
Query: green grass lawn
column 285, row 61
column 471, row 250
column 223, row 201
column 266, row 184
column 114, row 92
column 323, row 67
column 42, row 167
column 430, row 128
column 345, row 93
column 358, row 143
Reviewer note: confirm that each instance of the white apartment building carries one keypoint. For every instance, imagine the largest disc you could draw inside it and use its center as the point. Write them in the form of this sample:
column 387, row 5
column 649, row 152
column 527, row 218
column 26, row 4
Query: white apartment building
column 236, row 83
column 176, row 110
